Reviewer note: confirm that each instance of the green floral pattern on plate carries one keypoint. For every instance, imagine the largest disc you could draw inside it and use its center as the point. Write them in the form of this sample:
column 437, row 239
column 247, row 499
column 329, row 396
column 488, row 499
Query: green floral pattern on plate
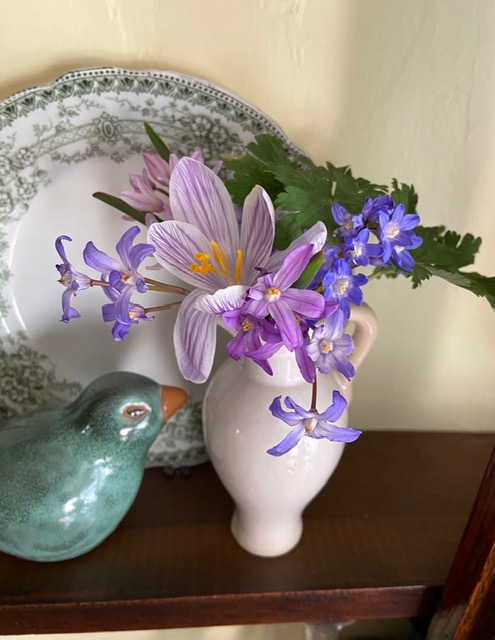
column 100, row 113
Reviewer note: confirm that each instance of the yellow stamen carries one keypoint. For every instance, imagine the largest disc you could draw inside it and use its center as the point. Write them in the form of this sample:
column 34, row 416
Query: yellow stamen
column 326, row 347
column 221, row 259
column 273, row 292
column 246, row 325
column 221, row 268
column 238, row 266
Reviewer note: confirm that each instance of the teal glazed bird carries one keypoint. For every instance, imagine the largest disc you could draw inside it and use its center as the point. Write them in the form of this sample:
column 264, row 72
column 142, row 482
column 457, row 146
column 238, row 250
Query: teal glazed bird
column 69, row 475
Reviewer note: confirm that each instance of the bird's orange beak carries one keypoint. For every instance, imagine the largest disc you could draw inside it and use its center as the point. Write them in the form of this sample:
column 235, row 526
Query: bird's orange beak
column 172, row 399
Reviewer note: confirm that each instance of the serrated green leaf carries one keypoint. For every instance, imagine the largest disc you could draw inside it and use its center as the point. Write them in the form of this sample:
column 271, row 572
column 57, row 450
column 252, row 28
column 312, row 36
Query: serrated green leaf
column 248, row 173
column 120, row 205
column 474, row 282
column 404, row 194
column 157, row 142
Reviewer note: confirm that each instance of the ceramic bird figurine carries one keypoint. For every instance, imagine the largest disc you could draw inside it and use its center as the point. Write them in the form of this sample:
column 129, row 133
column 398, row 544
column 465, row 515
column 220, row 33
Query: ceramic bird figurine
column 69, row 475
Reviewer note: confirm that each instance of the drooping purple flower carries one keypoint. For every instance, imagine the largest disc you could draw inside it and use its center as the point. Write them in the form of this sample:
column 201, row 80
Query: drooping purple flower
column 344, row 287
column 122, row 312
column 310, row 423
column 273, row 295
column 330, row 347
column 72, row 280
column 124, row 273
column 272, row 342
column 347, row 222
column 204, row 246
column 397, row 231
column 401, row 256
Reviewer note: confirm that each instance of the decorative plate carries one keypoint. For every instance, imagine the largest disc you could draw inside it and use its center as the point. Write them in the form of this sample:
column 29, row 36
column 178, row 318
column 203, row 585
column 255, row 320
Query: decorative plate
column 60, row 143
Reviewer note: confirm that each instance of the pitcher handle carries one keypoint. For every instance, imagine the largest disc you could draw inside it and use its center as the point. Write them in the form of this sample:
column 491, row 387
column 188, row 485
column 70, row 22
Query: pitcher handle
column 365, row 333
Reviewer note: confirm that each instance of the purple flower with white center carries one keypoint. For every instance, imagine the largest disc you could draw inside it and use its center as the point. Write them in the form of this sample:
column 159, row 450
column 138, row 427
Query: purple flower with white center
column 204, row 246
column 124, row 274
column 122, row 312
column 273, row 295
column 360, row 251
column 396, row 231
column 330, row 347
column 344, row 287
column 72, row 280
column 372, row 208
column 311, row 424
column 346, row 221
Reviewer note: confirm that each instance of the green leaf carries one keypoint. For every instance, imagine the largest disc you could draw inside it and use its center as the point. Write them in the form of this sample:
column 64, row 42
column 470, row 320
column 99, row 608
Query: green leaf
column 119, row 204
column 160, row 146
column 404, row 194
column 442, row 249
column 248, row 173
column 311, row 270
column 474, row 282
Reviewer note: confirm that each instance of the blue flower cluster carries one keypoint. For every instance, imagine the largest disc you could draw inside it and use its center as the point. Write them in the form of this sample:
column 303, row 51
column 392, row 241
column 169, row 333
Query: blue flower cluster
column 380, row 235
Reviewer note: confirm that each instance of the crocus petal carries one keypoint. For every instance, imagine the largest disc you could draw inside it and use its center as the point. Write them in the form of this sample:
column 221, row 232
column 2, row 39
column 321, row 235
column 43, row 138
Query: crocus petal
column 223, row 300
column 288, row 443
column 257, row 233
column 176, row 244
column 286, row 323
column 305, row 302
column 99, row 260
column 336, row 409
column 194, row 339
column 316, row 236
column 199, row 197
column 142, row 201
column 292, row 267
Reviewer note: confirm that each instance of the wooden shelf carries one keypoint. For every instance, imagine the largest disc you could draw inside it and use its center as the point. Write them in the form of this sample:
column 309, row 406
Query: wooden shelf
column 378, row 542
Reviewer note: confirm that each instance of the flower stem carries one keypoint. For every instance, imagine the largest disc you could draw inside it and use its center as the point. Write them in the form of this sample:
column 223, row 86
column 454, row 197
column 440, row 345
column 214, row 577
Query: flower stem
column 98, row 283
column 168, row 288
column 163, row 307
column 313, row 395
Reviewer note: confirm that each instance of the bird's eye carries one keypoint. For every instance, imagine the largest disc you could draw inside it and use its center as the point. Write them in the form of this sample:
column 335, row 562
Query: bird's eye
column 134, row 411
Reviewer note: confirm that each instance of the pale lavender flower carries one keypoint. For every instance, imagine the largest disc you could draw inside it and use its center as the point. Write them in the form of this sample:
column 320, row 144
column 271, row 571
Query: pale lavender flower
column 204, row 246
column 310, row 423
column 72, row 280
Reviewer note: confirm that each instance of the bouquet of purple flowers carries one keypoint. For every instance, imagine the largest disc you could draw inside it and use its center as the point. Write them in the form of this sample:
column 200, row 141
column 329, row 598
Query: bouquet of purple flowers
column 273, row 280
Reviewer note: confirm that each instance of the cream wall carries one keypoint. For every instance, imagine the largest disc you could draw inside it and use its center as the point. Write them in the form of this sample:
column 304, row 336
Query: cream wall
column 395, row 88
